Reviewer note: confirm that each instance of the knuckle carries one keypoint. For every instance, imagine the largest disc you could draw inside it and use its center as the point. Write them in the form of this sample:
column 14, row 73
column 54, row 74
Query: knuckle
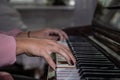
column 47, row 57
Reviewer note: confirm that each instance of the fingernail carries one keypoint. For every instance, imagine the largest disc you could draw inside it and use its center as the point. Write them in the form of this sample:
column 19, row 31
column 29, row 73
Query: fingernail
column 72, row 63
column 55, row 68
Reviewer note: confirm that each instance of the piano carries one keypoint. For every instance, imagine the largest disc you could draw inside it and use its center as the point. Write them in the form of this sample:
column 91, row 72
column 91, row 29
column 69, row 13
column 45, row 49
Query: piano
column 96, row 47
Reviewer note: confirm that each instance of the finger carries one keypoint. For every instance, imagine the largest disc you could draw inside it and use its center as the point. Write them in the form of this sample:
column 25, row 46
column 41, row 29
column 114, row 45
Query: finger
column 73, row 61
column 50, row 61
column 64, row 54
column 61, row 51
column 56, row 38
column 53, row 38
column 59, row 33
column 64, row 34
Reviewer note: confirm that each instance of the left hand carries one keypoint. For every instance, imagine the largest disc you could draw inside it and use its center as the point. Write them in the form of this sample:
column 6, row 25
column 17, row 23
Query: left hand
column 53, row 34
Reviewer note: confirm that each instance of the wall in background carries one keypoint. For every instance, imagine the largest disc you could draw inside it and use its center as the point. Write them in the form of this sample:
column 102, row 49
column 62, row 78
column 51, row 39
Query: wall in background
column 81, row 15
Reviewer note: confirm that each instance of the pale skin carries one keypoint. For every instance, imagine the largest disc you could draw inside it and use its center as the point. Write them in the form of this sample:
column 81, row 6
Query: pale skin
column 41, row 43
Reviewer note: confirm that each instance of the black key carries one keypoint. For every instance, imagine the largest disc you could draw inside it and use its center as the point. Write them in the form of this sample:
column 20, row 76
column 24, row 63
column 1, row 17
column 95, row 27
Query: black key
column 100, row 78
column 98, row 68
column 91, row 56
column 100, row 73
column 86, row 51
column 87, row 58
column 92, row 60
column 79, row 43
column 94, row 65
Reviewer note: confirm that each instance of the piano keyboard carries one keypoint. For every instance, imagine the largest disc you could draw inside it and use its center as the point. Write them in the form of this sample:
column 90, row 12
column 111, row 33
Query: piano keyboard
column 64, row 71
column 91, row 63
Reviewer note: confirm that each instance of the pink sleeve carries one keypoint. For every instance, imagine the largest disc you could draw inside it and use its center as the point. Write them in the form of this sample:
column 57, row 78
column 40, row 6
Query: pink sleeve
column 7, row 50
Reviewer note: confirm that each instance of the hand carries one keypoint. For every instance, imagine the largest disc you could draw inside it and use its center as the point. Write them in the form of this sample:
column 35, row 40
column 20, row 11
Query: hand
column 44, row 48
column 52, row 34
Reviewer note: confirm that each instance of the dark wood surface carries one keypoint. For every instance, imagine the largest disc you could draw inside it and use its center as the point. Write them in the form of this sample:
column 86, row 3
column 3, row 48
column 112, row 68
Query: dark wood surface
column 78, row 30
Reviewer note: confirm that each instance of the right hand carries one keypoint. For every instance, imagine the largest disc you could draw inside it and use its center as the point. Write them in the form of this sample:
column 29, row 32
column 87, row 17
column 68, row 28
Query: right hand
column 44, row 48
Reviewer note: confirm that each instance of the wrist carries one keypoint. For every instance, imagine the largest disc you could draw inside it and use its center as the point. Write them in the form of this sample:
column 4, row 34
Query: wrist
column 22, row 35
column 29, row 34
column 19, row 46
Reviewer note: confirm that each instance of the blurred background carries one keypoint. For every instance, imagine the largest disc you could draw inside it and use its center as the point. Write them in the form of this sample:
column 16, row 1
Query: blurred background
column 55, row 13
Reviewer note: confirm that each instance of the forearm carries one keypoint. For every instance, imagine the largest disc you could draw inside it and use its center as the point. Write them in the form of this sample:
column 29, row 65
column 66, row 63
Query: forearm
column 22, row 35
